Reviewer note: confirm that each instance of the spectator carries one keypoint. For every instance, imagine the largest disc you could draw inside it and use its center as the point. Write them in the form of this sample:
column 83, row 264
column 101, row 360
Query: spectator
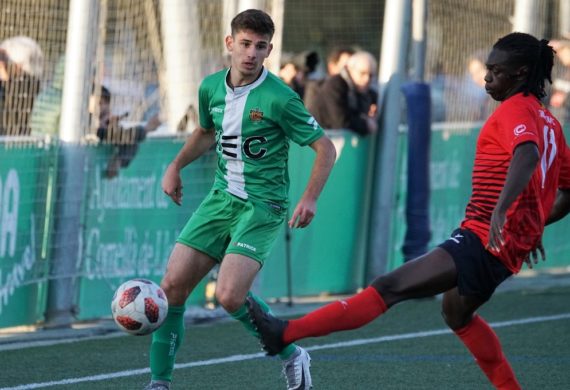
column 561, row 86
column 289, row 72
column 346, row 100
column 476, row 96
column 297, row 69
column 21, row 65
column 337, row 59
column 125, row 140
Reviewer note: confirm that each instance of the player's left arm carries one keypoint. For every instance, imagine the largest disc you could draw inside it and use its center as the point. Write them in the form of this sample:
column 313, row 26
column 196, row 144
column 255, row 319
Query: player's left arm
column 561, row 206
column 324, row 161
column 522, row 166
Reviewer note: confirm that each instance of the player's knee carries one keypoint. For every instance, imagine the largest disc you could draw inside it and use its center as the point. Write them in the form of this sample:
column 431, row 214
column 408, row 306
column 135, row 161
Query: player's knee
column 176, row 293
column 390, row 288
column 453, row 319
column 230, row 301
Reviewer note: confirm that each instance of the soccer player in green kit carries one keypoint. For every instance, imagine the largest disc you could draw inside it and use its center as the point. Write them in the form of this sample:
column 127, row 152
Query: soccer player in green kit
column 250, row 115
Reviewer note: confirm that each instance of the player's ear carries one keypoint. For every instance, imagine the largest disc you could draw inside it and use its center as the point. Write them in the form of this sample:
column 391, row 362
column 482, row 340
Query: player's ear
column 269, row 49
column 229, row 43
column 521, row 73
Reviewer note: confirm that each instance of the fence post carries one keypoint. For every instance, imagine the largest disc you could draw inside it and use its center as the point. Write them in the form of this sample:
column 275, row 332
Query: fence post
column 71, row 165
column 395, row 38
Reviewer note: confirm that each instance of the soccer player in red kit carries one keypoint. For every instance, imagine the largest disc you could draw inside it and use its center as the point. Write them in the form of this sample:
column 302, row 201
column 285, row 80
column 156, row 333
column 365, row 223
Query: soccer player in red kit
column 521, row 161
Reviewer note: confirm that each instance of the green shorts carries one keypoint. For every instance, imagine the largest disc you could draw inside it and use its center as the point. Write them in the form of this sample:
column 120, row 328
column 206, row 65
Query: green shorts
column 225, row 224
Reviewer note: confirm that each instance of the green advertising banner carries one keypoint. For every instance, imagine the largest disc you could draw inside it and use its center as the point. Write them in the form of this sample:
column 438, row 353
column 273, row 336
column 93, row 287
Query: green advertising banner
column 26, row 177
column 130, row 225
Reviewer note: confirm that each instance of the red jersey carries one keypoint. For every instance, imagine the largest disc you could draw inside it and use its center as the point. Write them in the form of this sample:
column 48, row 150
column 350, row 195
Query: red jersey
column 517, row 120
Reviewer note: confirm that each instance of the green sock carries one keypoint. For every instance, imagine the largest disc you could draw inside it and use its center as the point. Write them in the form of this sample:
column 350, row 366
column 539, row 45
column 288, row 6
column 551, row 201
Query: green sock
column 242, row 316
column 165, row 343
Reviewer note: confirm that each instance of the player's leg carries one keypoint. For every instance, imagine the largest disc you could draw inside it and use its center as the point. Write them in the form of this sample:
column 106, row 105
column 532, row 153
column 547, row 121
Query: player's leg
column 199, row 247
column 235, row 277
column 479, row 338
column 425, row 276
column 479, row 273
column 255, row 229
column 186, row 267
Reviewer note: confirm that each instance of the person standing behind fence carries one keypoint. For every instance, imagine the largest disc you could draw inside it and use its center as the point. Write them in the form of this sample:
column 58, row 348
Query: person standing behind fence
column 125, row 140
column 250, row 115
column 559, row 99
column 347, row 100
column 337, row 60
column 21, row 66
column 521, row 160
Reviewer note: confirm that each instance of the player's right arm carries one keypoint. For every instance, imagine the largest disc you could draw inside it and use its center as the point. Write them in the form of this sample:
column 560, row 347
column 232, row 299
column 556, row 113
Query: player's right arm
column 196, row 145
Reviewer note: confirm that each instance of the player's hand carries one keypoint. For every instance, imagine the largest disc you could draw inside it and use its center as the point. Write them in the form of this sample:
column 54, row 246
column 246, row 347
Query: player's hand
column 303, row 213
column 532, row 257
column 172, row 184
column 496, row 239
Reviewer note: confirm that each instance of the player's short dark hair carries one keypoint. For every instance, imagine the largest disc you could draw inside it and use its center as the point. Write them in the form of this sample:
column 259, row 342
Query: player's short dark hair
column 524, row 49
column 255, row 20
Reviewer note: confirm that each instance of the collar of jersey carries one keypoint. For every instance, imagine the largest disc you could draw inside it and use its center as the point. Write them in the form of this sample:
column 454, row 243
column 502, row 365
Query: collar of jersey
column 248, row 87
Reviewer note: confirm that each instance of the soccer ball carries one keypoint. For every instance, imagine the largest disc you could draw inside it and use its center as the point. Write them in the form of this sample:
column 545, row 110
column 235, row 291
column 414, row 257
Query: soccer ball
column 139, row 306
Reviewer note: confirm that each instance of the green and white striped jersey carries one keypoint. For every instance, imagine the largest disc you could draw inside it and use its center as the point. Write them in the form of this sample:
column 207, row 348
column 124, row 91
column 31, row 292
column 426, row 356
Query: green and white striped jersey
column 253, row 126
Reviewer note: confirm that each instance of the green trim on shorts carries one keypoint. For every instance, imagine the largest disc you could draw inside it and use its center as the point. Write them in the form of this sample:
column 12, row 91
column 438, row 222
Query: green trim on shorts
column 224, row 223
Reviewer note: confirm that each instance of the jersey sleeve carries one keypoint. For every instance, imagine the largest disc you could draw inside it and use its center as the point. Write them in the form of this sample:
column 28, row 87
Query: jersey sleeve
column 517, row 124
column 564, row 176
column 298, row 124
column 205, row 117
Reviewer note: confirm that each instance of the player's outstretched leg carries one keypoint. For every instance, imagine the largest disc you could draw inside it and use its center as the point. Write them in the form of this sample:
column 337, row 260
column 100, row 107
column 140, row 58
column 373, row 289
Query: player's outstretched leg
column 351, row 313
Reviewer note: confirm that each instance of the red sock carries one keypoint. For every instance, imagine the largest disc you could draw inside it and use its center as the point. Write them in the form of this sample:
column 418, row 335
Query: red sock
column 351, row 313
column 484, row 345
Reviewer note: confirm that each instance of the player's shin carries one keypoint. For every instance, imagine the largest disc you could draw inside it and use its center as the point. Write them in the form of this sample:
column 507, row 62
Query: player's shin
column 484, row 345
column 346, row 314
column 242, row 316
column 165, row 343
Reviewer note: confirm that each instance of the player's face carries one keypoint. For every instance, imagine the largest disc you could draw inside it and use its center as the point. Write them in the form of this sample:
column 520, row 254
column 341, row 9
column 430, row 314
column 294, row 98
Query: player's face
column 248, row 50
column 503, row 79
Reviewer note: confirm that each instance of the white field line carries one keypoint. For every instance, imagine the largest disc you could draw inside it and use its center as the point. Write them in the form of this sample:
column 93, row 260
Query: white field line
column 238, row 358
column 56, row 341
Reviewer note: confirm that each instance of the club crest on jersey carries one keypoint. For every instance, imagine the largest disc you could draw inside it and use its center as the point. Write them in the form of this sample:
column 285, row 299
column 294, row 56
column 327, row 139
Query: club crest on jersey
column 255, row 115
column 519, row 130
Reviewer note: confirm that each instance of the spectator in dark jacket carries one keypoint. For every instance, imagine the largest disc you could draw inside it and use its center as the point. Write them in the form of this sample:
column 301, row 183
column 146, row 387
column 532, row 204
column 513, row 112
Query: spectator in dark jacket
column 21, row 65
column 346, row 100
column 125, row 140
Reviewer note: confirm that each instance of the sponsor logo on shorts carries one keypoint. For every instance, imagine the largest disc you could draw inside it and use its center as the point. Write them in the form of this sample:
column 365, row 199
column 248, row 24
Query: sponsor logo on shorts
column 246, row 246
column 219, row 110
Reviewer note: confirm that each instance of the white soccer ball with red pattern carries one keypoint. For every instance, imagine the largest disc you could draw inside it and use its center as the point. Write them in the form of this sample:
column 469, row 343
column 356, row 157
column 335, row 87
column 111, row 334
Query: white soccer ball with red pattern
column 139, row 306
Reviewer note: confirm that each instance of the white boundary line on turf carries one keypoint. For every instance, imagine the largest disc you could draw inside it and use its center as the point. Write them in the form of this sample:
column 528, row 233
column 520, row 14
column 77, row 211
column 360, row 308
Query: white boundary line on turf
column 49, row 343
column 238, row 358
